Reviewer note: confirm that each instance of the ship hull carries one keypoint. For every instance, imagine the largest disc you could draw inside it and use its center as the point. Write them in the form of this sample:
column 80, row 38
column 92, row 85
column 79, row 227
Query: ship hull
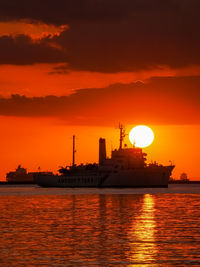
column 157, row 176
column 20, row 178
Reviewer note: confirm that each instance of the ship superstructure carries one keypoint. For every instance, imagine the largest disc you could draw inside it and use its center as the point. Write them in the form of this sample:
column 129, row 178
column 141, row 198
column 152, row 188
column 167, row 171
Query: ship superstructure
column 127, row 167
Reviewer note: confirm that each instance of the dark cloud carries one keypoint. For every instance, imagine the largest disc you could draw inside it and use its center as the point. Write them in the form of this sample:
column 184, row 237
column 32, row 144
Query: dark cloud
column 111, row 36
column 64, row 12
column 68, row 11
column 130, row 46
column 21, row 50
column 161, row 101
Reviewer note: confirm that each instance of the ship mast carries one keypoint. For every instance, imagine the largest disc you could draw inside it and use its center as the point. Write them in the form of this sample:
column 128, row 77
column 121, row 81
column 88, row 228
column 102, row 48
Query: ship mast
column 122, row 135
column 74, row 151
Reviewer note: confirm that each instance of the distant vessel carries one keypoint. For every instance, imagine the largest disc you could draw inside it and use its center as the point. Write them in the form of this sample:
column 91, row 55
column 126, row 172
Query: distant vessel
column 184, row 178
column 21, row 176
column 126, row 168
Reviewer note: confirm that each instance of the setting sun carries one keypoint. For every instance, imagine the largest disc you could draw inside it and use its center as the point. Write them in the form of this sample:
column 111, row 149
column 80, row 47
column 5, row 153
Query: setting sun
column 141, row 136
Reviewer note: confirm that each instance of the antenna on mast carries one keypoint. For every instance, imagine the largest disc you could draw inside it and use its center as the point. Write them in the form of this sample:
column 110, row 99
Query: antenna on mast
column 74, row 151
column 122, row 135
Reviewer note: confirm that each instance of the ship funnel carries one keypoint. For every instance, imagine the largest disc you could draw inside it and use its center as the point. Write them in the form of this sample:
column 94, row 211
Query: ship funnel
column 102, row 150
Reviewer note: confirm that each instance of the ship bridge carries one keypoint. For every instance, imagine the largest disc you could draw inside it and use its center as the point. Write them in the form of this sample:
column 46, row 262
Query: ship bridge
column 129, row 157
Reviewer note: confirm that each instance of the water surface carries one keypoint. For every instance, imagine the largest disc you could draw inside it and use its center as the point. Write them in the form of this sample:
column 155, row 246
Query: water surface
column 109, row 227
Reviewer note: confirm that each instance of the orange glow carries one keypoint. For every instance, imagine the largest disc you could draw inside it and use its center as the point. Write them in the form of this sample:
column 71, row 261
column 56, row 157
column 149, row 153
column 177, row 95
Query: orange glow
column 47, row 142
column 22, row 79
column 35, row 31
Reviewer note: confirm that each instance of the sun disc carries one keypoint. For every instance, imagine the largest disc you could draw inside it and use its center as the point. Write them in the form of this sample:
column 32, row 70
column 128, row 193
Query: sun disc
column 141, row 136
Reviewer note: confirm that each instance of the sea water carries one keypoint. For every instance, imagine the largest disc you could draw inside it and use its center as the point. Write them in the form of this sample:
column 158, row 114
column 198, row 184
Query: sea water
column 99, row 227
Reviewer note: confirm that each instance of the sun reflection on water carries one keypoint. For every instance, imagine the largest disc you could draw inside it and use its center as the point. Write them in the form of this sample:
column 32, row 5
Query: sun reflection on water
column 142, row 234
column 100, row 230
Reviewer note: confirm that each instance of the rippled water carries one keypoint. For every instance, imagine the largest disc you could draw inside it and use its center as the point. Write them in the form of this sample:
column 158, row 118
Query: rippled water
column 50, row 227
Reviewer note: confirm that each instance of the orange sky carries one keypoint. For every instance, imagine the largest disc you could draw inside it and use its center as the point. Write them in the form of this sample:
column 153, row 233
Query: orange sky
column 40, row 80
column 82, row 68
column 48, row 143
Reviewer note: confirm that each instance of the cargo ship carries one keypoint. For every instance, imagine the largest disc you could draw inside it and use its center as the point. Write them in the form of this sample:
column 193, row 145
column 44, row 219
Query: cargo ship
column 21, row 176
column 127, row 167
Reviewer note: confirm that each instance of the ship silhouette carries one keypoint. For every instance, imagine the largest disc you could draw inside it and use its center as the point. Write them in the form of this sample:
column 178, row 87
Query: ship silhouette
column 21, row 176
column 127, row 167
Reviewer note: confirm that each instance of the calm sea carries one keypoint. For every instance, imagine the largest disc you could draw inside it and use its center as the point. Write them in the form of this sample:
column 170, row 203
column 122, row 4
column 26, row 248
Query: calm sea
column 100, row 227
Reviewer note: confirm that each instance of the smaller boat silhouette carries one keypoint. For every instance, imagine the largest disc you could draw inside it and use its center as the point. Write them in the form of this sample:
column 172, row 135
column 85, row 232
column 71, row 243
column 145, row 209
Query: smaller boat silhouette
column 21, row 176
column 184, row 178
